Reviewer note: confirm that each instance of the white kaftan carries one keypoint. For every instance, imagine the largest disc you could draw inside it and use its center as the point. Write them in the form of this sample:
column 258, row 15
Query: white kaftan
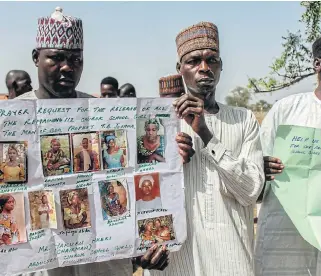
column 280, row 249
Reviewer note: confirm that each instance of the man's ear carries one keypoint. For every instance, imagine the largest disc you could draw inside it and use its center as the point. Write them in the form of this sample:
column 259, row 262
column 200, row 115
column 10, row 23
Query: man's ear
column 317, row 65
column 221, row 64
column 178, row 67
column 35, row 56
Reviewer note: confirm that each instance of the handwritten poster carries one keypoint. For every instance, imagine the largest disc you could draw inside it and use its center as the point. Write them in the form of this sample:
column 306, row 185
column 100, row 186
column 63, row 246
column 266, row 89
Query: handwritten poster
column 298, row 186
column 87, row 180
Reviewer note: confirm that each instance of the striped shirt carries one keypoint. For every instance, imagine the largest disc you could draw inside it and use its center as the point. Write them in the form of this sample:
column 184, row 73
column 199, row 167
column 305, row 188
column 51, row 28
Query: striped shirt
column 280, row 249
column 222, row 183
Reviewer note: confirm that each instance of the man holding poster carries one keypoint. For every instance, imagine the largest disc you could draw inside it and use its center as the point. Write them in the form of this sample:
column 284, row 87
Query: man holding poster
column 286, row 230
column 59, row 59
column 225, row 176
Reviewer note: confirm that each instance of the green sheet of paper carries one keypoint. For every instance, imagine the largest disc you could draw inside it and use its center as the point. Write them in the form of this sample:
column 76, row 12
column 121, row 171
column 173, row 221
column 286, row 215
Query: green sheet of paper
column 298, row 188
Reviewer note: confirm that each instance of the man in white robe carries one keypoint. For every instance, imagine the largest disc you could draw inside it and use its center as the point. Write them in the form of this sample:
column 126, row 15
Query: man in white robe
column 225, row 176
column 280, row 249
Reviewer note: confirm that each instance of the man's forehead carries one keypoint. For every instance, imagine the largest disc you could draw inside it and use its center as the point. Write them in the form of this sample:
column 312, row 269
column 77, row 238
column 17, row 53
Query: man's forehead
column 197, row 53
column 107, row 86
column 61, row 51
column 23, row 77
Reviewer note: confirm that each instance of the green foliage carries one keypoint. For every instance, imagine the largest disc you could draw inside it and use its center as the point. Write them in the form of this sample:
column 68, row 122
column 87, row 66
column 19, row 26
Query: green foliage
column 295, row 62
column 241, row 96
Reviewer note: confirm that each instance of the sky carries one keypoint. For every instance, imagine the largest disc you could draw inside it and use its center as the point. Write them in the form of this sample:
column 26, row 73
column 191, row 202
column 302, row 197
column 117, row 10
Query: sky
column 135, row 41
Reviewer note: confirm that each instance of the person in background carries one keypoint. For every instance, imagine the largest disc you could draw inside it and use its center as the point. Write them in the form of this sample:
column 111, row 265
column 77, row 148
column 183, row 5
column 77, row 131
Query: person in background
column 60, row 66
column 127, row 91
column 18, row 82
column 109, row 88
column 225, row 177
column 171, row 86
column 280, row 249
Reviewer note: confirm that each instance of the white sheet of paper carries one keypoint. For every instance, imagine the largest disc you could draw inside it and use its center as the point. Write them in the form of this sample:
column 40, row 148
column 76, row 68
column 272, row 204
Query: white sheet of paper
column 108, row 236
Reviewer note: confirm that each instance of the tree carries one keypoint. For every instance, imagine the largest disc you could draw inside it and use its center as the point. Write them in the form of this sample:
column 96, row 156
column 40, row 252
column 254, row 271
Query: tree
column 240, row 96
column 295, row 62
column 261, row 106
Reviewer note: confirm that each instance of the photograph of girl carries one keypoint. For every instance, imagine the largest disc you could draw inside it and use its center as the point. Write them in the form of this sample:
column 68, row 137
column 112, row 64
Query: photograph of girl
column 147, row 192
column 156, row 230
column 55, row 153
column 12, row 219
column 150, row 141
column 13, row 162
column 114, row 149
column 75, row 208
column 114, row 198
column 86, row 151
column 42, row 210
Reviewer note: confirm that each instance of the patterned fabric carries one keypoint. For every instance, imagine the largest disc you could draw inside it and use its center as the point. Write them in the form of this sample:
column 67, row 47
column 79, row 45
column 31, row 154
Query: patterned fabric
column 171, row 85
column 60, row 32
column 280, row 249
column 203, row 35
column 222, row 183
column 143, row 153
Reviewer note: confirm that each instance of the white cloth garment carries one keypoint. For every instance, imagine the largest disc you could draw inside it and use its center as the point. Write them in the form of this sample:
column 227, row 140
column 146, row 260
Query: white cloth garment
column 87, row 160
column 142, row 205
column 44, row 219
column 112, row 268
column 222, row 183
column 280, row 249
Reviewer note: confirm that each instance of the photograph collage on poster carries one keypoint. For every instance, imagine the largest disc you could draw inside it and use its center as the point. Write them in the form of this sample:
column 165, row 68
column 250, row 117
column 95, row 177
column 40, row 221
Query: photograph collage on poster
column 148, row 197
column 83, row 152
column 75, row 210
column 63, row 154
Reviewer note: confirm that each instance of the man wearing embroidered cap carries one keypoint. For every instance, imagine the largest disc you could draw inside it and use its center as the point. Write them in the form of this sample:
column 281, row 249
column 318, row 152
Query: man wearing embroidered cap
column 225, row 177
column 59, row 58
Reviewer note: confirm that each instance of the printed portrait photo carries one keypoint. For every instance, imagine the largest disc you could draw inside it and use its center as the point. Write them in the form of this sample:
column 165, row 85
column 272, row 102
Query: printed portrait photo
column 147, row 192
column 42, row 210
column 75, row 208
column 150, row 141
column 114, row 149
column 13, row 162
column 156, row 230
column 86, row 151
column 114, row 198
column 12, row 219
column 55, row 153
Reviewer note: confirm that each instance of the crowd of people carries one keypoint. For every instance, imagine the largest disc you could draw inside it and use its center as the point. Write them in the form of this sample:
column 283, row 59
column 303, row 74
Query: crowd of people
column 224, row 168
